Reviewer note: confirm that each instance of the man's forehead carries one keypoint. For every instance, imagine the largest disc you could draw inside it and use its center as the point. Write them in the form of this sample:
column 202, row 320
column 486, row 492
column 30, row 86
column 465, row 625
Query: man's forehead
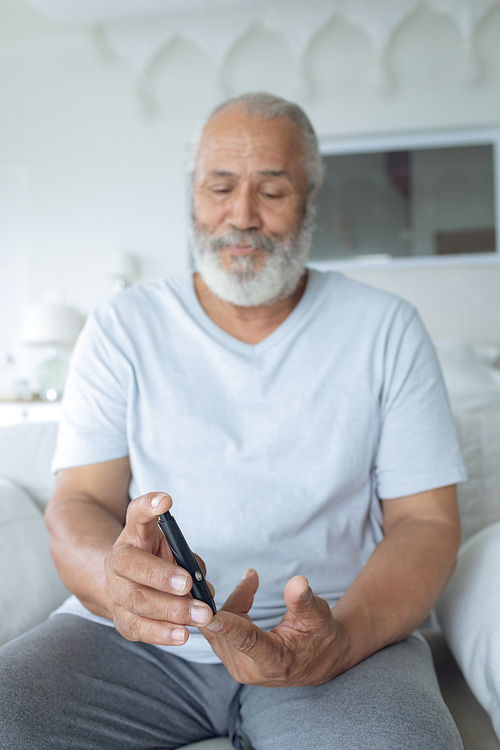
column 233, row 134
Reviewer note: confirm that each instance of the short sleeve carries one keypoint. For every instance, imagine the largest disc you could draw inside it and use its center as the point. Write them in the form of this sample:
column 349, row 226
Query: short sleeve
column 93, row 427
column 418, row 448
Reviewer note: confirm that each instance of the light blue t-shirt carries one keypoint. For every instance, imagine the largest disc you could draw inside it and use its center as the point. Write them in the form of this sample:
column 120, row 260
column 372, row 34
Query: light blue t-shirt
column 275, row 454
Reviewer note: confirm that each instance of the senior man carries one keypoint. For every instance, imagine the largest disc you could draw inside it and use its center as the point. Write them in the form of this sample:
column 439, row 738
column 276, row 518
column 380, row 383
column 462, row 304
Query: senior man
column 299, row 423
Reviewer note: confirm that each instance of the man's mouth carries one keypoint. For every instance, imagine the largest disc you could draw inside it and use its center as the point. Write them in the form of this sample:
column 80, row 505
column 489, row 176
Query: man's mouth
column 242, row 249
column 241, row 244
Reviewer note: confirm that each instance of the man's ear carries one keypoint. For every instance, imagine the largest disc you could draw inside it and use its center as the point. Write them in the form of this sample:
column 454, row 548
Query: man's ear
column 310, row 203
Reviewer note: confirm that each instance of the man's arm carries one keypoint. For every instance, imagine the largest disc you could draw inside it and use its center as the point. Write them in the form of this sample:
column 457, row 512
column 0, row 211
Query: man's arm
column 85, row 516
column 406, row 572
column 112, row 555
column 385, row 603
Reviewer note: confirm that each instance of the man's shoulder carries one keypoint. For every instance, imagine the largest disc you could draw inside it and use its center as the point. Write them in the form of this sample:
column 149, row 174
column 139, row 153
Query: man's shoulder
column 350, row 294
column 142, row 300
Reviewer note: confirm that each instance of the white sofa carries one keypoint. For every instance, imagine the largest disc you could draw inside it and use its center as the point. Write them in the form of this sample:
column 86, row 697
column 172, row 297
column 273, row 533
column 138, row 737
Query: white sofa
column 30, row 588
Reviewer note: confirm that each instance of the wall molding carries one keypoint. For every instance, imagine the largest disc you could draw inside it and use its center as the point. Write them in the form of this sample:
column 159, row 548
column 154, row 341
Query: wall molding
column 137, row 32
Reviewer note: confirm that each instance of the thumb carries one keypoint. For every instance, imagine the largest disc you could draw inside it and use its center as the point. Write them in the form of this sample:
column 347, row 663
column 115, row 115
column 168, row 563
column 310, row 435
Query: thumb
column 302, row 603
column 141, row 525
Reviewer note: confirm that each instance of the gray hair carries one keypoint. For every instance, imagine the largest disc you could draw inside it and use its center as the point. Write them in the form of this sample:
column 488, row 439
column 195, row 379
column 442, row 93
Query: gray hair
column 270, row 107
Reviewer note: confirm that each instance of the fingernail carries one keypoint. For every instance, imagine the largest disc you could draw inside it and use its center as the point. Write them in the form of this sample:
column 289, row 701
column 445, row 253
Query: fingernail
column 247, row 572
column 179, row 583
column 156, row 500
column 178, row 634
column 199, row 614
column 214, row 625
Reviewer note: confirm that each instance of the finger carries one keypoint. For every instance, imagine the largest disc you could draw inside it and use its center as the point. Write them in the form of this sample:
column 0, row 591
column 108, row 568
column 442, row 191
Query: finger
column 140, row 566
column 303, row 604
column 156, row 578
column 142, row 516
column 136, row 628
column 241, row 599
column 241, row 633
column 154, row 605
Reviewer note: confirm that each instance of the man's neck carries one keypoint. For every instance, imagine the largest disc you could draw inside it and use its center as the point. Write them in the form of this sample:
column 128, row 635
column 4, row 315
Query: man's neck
column 248, row 324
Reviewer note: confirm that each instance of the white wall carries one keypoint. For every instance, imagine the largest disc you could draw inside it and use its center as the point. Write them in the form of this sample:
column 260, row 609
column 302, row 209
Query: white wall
column 95, row 170
column 461, row 300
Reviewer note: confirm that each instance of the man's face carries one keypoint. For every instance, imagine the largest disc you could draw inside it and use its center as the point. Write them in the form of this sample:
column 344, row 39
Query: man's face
column 249, row 201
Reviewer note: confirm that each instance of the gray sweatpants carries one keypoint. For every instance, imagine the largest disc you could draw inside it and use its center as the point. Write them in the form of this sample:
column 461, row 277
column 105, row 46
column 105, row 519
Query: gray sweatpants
column 71, row 684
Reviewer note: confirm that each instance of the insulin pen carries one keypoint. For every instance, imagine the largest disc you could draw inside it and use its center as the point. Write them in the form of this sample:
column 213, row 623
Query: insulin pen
column 185, row 558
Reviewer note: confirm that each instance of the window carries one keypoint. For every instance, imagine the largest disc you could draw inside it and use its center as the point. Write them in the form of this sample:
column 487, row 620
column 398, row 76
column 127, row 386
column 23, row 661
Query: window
column 409, row 199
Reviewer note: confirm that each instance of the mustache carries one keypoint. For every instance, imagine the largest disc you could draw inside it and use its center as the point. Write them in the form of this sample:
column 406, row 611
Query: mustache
column 248, row 237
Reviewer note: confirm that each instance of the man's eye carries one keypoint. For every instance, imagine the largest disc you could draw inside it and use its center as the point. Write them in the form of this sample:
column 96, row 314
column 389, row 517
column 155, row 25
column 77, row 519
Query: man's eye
column 273, row 195
column 220, row 189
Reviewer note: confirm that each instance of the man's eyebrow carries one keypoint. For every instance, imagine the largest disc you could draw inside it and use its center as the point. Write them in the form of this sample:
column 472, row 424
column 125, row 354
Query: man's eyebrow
column 273, row 173
column 221, row 173
column 261, row 172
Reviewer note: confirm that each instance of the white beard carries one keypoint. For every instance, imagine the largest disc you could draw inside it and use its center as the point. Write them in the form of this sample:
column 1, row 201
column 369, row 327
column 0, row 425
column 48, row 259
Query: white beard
column 245, row 285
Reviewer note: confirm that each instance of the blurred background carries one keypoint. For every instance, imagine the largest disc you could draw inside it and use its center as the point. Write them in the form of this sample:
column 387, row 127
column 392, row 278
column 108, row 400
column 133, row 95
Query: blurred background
column 98, row 100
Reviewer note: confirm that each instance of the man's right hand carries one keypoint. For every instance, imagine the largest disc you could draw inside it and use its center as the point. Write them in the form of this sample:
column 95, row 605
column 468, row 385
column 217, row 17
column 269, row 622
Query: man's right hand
column 147, row 592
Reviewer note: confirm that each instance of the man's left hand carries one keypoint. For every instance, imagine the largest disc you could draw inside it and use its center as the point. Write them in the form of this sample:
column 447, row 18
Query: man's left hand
column 308, row 647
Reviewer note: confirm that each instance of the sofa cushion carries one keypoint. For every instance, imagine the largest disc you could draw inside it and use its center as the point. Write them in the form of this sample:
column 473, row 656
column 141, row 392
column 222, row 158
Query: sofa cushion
column 29, row 584
column 26, row 452
column 471, row 377
column 479, row 498
column 469, row 614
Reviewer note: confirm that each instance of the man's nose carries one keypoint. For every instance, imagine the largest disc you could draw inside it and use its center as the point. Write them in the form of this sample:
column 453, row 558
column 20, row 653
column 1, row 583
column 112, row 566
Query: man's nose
column 243, row 213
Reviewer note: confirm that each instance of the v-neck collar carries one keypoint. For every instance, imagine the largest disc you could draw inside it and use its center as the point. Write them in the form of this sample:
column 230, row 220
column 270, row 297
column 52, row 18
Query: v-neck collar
column 229, row 341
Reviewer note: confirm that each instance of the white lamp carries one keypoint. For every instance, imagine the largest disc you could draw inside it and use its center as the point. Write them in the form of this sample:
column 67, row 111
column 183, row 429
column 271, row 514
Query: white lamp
column 123, row 268
column 51, row 326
